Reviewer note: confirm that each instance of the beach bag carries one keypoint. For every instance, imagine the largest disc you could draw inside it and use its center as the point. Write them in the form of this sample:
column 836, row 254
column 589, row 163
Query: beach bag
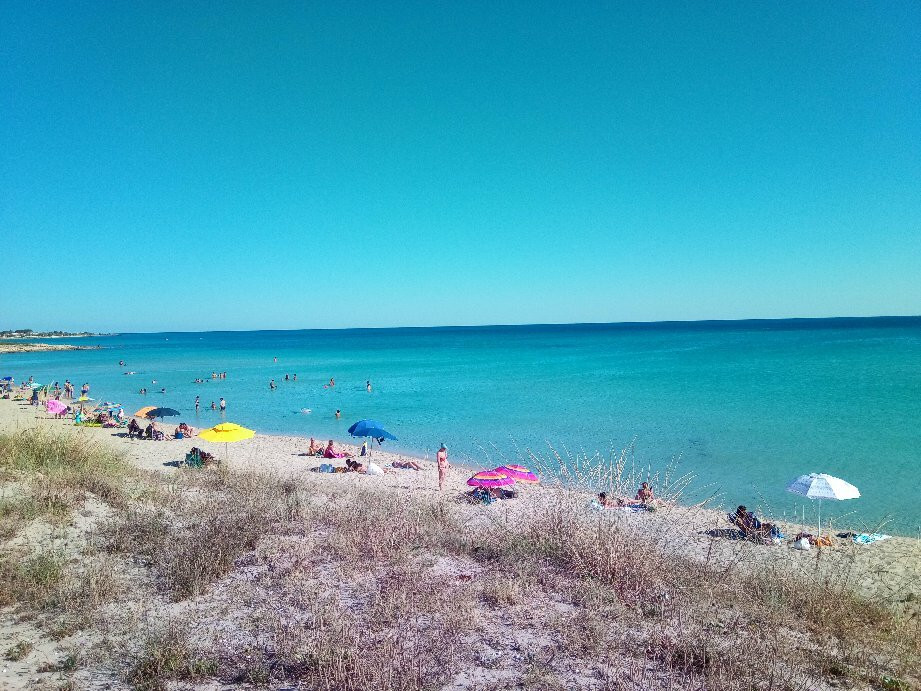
column 802, row 543
column 327, row 468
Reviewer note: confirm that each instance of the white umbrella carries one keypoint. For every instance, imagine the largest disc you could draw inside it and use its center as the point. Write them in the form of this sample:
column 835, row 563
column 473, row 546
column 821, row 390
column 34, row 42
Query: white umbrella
column 821, row 486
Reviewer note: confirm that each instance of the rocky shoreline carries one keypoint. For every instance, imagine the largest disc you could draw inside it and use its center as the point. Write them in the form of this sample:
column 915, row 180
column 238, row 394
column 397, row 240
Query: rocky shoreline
column 39, row 347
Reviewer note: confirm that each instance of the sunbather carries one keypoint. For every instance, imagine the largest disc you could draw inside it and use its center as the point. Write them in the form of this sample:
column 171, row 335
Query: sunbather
column 645, row 494
column 134, row 429
column 409, row 465
column 331, row 452
column 751, row 527
column 353, row 466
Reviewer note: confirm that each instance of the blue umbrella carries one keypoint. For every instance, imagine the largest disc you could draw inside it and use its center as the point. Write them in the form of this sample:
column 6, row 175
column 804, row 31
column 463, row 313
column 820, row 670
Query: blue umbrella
column 370, row 428
column 7, row 379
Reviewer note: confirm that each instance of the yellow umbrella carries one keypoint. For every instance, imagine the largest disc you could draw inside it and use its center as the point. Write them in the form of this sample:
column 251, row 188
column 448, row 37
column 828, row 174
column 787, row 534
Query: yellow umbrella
column 226, row 432
column 143, row 411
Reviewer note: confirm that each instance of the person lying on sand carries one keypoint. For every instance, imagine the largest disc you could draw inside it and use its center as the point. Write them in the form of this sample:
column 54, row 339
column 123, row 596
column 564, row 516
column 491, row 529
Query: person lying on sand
column 354, row 466
column 407, row 465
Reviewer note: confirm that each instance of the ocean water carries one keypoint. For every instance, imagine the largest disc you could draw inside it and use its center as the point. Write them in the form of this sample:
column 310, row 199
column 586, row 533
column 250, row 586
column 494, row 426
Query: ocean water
column 744, row 406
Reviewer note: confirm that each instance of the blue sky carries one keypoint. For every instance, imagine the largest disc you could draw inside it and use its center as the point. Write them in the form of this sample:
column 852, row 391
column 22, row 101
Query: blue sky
column 221, row 165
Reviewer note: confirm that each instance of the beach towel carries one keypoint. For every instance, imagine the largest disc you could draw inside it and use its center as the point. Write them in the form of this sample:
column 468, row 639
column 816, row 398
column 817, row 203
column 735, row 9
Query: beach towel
column 869, row 539
column 326, row 468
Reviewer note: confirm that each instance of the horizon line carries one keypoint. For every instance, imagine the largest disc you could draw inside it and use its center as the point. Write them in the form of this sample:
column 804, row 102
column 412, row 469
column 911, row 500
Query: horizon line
column 649, row 323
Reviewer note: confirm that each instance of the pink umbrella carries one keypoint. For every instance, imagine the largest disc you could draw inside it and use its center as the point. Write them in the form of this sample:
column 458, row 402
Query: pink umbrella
column 55, row 407
column 519, row 473
column 490, row 478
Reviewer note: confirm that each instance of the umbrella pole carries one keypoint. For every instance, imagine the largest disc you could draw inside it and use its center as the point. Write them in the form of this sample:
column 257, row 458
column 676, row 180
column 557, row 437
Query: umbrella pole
column 820, row 518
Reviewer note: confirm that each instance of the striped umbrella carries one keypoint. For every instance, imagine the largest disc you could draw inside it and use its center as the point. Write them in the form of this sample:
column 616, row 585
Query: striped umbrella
column 519, row 473
column 490, row 478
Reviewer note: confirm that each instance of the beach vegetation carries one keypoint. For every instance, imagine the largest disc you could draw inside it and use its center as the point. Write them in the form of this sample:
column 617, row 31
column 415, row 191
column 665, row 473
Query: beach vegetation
column 18, row 651
column 166, row 656
column 253, row 578
column 55, row 471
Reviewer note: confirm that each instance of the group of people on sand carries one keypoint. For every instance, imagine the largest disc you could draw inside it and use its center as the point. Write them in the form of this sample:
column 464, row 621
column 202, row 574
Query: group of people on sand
column 152, row 431
column 645, row 499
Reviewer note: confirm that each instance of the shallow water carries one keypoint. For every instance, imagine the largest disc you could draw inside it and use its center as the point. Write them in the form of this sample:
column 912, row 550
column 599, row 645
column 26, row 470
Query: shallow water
column 747, row 406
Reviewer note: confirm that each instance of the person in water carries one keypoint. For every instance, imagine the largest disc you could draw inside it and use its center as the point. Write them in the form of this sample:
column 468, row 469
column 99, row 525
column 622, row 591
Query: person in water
column 223, row 405
column 213, row 407
column 338, row 414
column 368, row 385
column 332, row 382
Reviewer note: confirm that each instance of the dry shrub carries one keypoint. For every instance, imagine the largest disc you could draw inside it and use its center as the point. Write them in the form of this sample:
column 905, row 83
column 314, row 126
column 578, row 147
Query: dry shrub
column 168, row 655
column 62, row 468
column 406, row 639
column 32, row 582
column 384, row 525
column 18, row 651
column 196, row 540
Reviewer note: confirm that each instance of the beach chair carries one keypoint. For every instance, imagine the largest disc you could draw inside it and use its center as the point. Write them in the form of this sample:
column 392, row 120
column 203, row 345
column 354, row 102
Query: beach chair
column 193, row 458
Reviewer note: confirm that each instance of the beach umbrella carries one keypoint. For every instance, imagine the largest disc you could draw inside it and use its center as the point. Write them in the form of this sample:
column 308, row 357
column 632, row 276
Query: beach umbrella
column 55, row 407
column 490, row 478
column 227, row 432
column 143, row 411
column 821, row 486
column 519, row 473
column 161, row 413
column 370, row 428
column 6, row 379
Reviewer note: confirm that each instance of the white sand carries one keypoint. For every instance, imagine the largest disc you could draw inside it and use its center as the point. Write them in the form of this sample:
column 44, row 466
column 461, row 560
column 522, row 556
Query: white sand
column 890, row 570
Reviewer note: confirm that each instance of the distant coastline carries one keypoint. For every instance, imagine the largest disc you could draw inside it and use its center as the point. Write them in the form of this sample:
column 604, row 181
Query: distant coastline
column 29, row 333
column 39, row 347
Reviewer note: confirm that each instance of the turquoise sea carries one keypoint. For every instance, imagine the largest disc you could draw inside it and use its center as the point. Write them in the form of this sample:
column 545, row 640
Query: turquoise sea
column 745, row 406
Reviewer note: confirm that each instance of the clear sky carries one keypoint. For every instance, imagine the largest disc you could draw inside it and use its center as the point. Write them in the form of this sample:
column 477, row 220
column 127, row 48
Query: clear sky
column 181, row 165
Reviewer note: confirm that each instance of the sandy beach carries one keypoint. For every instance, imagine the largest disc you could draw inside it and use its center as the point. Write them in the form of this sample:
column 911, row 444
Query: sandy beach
column 889, row 570
column 485, row 621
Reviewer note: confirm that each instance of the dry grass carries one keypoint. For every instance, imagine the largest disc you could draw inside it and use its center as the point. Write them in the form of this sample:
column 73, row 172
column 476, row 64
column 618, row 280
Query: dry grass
column 259, row 580
column 56, row 470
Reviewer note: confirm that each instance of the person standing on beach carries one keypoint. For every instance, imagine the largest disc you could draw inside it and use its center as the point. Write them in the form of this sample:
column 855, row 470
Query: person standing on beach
column 223, row 404
column 443, row 465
